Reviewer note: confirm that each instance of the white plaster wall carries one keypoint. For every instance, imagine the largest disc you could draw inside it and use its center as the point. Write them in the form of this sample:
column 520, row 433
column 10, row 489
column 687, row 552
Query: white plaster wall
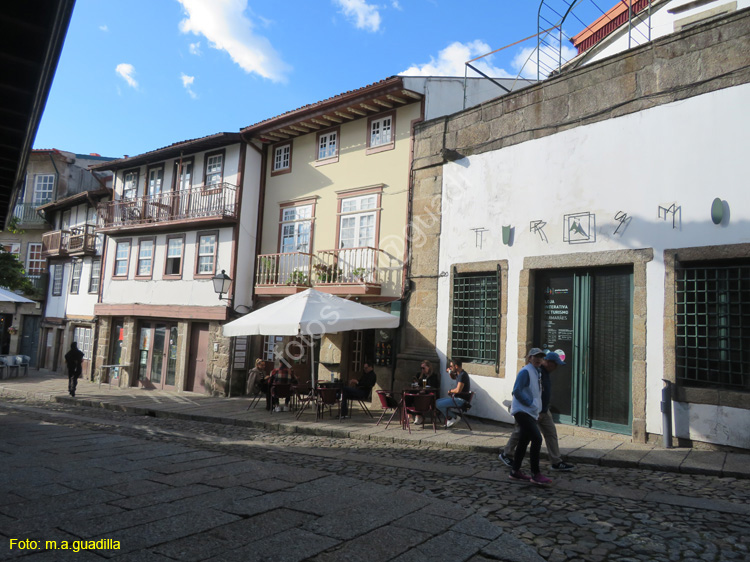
column 55, row 305
column 662, row 23
column 187, row 291
column 82, row 304
column 247, row 232
column 685, row 153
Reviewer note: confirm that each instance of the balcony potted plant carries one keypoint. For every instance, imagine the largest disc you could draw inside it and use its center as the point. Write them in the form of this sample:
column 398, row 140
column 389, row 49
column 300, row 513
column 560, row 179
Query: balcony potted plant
column 358, row 274
column 298, row 277
column 327, row 273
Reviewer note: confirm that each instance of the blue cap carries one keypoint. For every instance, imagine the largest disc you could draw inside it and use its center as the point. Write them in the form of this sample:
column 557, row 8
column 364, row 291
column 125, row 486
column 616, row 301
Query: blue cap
column 554, row 357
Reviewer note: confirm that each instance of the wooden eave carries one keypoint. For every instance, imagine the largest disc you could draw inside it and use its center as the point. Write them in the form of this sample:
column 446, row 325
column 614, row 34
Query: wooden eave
column 345, row 108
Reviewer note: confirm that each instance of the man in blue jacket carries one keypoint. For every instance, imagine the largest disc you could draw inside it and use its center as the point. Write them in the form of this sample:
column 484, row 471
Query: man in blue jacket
column 525, row 408
column 545, row 421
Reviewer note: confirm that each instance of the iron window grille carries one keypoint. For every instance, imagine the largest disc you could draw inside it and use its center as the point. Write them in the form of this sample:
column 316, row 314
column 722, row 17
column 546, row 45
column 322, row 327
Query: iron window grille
column 713, row 325
column 476, row 317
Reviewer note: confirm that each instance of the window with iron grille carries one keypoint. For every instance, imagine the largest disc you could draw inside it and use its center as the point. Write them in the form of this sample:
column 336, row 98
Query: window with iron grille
column 712, row 317
column 476, row 317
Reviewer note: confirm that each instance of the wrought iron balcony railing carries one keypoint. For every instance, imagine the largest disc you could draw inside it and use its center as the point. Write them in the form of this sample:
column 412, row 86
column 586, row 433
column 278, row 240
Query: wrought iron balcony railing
column 25, row 213
column 211, row 201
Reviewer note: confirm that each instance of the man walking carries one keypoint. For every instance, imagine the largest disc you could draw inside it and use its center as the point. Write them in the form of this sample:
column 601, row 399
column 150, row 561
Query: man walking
column 74, row 361
column 545, row 421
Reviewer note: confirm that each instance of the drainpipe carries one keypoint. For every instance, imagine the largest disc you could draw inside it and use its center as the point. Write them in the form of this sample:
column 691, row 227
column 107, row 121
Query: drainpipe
column 666, row 413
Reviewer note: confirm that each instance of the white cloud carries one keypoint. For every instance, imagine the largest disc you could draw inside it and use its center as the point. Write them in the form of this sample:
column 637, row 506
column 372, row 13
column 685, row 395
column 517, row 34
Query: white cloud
column 450, row 62
column 396, row 5
column 525, row 61
column 227, row 28
column 364, row 15
column 127, row 71
column 103, row 28
column 187, row 82
column 195, row 48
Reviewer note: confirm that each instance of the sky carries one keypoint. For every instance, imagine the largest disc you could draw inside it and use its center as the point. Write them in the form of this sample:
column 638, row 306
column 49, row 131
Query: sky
column 138, row 75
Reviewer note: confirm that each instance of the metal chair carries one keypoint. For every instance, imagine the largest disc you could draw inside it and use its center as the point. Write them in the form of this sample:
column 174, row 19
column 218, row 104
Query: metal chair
column 460, row 411
column 387, row 402
column 253, row 389
column 419, row 405
column 278, row 391
column 326, row 397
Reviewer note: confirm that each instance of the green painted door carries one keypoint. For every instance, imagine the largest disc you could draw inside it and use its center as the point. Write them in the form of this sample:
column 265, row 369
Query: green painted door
column 586, row 315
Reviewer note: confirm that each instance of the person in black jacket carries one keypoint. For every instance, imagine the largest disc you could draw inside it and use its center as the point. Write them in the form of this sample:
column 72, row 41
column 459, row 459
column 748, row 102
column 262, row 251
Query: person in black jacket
column 74, row 361
column 358, row 389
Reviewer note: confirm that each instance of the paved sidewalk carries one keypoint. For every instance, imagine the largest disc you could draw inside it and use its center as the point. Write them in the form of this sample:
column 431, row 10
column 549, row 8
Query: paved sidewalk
column 577, row 446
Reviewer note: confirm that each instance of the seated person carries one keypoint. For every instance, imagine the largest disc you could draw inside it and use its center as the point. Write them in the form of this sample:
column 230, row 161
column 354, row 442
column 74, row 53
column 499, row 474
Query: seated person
column 280, row 375
column 358, row 389
column 463, row 384
column 431, row 378
column 256, row 378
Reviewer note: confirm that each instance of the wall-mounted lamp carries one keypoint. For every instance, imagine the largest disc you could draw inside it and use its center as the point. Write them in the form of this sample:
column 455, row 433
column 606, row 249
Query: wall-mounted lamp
column 222, row 282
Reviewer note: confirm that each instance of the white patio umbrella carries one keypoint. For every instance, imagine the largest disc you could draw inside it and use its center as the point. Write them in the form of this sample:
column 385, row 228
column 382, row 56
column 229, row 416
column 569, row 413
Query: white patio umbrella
column 309, row 313
column 10, row 296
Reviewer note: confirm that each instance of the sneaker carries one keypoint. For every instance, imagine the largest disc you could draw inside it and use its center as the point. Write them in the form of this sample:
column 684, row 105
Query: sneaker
column 506, row 460
column 418, row 420
column 541, row 480
column 519, row 476
column 278, row 409
column 561, row 466
column 452, row 422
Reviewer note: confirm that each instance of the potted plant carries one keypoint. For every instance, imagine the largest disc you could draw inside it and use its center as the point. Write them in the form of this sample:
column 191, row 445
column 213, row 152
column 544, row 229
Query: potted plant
column 298, row 277
column 12, row 330
column 358, row 274
column 327, row 273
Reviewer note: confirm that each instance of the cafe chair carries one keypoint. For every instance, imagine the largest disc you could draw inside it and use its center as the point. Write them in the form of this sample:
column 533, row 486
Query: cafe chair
column 387, row 402
column 302, row 397
column 460, row 411
column 279, row 391
column 419, row 405
column 362, row 404
column 326, row 398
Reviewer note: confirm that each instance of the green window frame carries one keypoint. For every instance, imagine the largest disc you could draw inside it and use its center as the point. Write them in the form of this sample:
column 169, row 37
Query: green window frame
column 712, row 324
column 475, row 328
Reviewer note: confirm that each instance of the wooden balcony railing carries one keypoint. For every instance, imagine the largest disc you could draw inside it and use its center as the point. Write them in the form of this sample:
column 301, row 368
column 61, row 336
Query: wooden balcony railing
column 82, row 240
column 346, row 265
column 292, row 269
column 55, row 243
column 213, row 201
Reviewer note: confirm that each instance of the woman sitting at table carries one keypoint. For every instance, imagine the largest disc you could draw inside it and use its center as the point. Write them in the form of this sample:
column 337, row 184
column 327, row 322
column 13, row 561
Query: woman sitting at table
column 432, row 380
column 280, row 375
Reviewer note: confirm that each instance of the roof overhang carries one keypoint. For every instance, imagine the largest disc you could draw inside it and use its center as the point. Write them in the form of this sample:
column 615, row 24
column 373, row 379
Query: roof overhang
column 176, row 150
column 77, row 199
column 382, row 96
column 34, row 36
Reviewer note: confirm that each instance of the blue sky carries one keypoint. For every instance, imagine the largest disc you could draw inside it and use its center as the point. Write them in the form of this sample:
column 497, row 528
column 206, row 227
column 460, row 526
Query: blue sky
column 136, row 75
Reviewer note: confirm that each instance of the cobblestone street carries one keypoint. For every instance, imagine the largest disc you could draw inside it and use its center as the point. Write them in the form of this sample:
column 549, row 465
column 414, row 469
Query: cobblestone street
column 595, row 513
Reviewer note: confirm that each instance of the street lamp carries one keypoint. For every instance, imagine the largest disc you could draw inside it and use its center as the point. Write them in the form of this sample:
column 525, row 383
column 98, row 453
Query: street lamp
column 222, row 282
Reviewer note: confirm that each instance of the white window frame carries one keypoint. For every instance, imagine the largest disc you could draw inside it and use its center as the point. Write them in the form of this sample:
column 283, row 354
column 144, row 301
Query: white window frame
column 214, row 169
column 296, row 225
column 130, row 185
column 171, row 256
column 203, row 253
column 75, row 277
column 34, row 249
column 155, row 181
column 145, row 265
column 57, row 279
column 44, row 189
column 82, row 336
column 96, row 275
column 282, row 157
column 384, row 134
column 328, row 145
column 120, row 259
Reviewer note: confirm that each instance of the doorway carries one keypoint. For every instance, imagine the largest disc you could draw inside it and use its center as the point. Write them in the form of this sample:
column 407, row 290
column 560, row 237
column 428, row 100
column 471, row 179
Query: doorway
column 157, row 355
column 6, row 321
column 30, row 338
column 197, row 358
column 586, row 316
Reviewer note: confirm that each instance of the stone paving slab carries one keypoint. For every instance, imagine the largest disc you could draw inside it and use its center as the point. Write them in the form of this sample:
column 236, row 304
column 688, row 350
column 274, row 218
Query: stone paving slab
column 668, row 460
column 703, row 462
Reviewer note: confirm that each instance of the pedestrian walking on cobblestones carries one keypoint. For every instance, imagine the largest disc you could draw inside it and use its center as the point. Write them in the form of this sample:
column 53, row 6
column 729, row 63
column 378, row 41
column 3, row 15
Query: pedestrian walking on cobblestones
column 74, row 361
column 545, row 421
column 525, row 408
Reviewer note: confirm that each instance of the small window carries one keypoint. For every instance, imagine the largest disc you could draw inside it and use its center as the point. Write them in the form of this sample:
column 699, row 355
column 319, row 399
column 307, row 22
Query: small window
column 206, row 254
column 282, row 159
column 214, row 169
column 145, row 257
column 174, row 257
column 82, row 336
column 57, row 280
column 328, row 146
column 476, row 317
column 121, row 259
column 75, row 279
column 130, row 185
column 380, row 132
column 296, row 224
column 34, row 260
column 44, row 186
column 96, row 274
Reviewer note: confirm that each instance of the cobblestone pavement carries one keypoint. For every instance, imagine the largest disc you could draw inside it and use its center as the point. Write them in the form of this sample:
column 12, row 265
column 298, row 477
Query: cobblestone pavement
column 592, row 514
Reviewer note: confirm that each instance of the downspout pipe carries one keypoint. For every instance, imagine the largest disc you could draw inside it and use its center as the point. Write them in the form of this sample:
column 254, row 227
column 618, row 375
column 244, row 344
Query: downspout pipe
column 666, row 413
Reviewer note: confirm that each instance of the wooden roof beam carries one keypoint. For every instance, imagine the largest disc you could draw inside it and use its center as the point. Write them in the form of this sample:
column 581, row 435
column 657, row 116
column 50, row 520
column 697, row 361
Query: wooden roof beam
column 332, row 118
column 288, row 132
column 383, row 103
column 356, row 111
column 309, row 125
column 410, row 94
column 369, row 107
column 344, row 115
column 395, row 98
column 299, row 128
column 275, row 136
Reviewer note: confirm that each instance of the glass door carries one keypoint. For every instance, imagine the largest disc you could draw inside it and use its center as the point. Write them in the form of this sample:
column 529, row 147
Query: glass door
column 586, row 317
column 157, row 355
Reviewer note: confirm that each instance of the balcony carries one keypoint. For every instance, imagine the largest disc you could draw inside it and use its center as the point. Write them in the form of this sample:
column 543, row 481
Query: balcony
column 38, row 279
column 78, row 241
column 55, row 243
column 203, row 204
column 26, row 215
column 345, row 271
